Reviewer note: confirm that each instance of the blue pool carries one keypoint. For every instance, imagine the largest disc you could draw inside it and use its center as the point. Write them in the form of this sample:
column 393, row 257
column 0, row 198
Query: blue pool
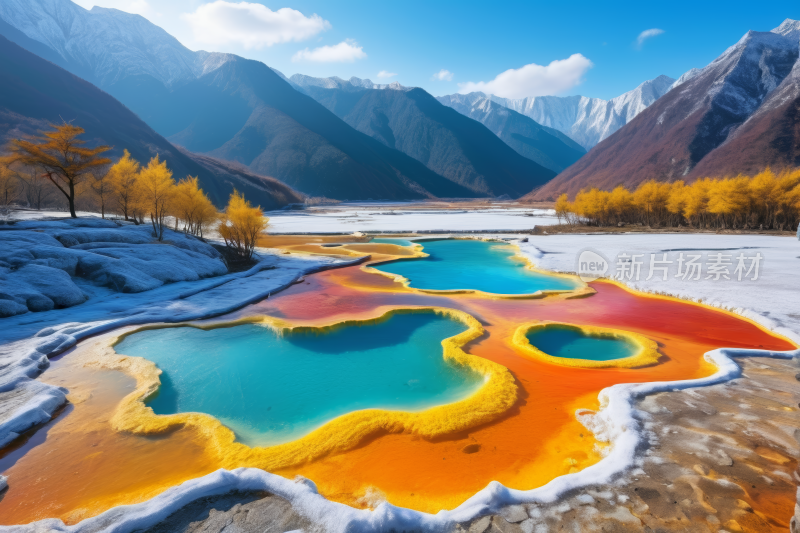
column 271, row 389
column 478, row 265
column 572, row 343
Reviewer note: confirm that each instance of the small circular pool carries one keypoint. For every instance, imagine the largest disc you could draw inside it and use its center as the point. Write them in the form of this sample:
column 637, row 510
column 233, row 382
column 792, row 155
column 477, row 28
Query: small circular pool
column 570, row 342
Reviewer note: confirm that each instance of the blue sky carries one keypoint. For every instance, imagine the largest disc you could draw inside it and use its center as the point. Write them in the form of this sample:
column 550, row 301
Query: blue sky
column 472, row 42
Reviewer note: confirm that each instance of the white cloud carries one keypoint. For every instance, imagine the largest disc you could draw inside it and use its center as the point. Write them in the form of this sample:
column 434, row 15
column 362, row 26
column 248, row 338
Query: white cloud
column 386, row 74
column 534, row 80
column 251, row 25
column 443, row 75
column 646, row 34
column 344, row 52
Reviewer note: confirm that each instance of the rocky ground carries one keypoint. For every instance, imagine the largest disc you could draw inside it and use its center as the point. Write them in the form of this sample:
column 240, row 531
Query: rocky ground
column 719, row 458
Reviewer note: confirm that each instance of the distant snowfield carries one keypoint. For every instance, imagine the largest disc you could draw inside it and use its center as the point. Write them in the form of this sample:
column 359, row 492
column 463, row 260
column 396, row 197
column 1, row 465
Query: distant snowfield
column 381, row 218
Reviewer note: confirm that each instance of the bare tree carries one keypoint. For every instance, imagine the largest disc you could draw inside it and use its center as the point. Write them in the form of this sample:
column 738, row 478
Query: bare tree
column 102, row 188
column 38, row 189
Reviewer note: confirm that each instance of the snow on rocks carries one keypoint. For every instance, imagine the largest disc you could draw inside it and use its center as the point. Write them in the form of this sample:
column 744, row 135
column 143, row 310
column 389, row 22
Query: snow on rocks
column 40, row 259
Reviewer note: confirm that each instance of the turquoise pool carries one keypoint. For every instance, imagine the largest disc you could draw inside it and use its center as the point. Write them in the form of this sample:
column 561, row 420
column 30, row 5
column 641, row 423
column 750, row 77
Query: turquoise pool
column 389, row 240
column 271, row 389
column 574, row 344
column 479, row 265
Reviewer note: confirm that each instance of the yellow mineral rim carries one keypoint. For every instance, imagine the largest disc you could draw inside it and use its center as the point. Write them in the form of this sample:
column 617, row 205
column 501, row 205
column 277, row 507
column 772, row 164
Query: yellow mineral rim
column 646, row 355
column 497, row 395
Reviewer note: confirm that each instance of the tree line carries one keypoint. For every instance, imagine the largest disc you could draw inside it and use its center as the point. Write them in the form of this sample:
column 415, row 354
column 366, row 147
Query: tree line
column 767, row 200
column 59, row 162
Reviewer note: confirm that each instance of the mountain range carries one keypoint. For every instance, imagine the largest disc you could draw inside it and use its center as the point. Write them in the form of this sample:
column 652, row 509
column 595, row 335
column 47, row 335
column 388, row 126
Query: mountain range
column 547, row 146
column 414, row 122
column 219, row 104
column 585, row 120
column 739, row 114
column 36, row 93
column 233, row 121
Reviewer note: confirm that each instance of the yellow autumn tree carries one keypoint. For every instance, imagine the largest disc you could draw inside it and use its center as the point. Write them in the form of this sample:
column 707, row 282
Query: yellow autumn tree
column 765, row 200
column 697, row 198
column 63, row 158
column 192, row 207
column 789, row 199
column 729, row 200
column 620, row 204
column 123, row 177
column 676, row 204
column 240, row 225
column 157, row 190
column 650, row 198
column 563, row 209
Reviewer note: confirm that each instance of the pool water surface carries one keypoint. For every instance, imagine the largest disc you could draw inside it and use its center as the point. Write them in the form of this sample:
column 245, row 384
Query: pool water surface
column 490, row 267
column 571, row 343
column 272, row 388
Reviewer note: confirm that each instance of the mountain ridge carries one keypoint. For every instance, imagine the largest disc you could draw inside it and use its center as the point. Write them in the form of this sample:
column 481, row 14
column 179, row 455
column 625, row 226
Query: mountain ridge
column 36, row 93
column 221, row 104
column 739, row 114
column 548, row 147
column 585, row 120
column 414, row 122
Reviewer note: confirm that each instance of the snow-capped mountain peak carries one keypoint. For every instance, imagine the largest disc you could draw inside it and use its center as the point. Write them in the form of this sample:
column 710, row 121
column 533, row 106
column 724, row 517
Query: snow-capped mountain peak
column 586, row 120
column 686, row 76
column 335, row 82
column 789, row 28
column 82, row 39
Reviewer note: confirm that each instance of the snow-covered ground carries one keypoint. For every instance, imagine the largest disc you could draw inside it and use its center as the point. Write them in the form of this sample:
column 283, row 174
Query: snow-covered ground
column 396, row 219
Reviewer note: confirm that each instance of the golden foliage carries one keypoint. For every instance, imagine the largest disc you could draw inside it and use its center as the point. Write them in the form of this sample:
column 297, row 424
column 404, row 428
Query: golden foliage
column 193, row 207
column 240, row 225
column 62, row 157
column 562, row 208
column 124, row 175
column 765, row 200
column 157, row 190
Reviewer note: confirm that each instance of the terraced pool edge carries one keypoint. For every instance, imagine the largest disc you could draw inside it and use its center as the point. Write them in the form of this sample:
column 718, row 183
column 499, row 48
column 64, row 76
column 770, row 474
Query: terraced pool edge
column 647, row 349
column 583, row 290
column 616, row 423
column 498, row 394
